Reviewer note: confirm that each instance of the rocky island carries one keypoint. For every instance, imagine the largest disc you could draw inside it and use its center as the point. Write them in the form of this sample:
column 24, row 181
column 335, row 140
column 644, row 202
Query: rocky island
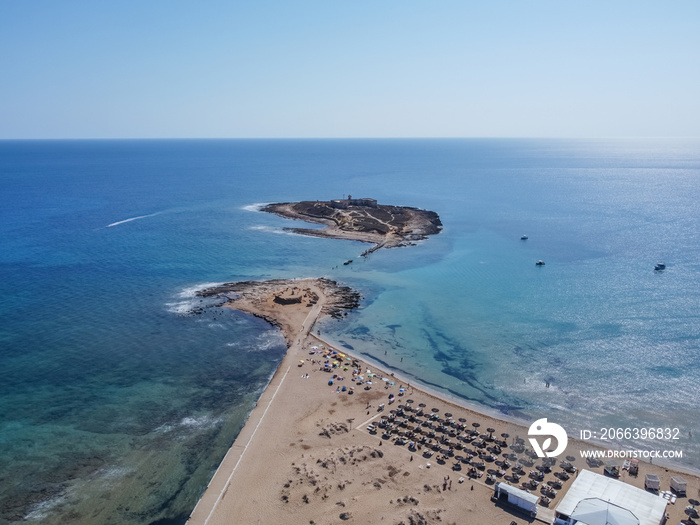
column 361, row 220
column 287, row 303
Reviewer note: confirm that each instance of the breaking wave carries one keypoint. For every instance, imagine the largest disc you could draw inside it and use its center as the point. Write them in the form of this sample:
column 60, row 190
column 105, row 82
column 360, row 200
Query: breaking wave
column 272, row 229
column 188, row 301
column 257, row 206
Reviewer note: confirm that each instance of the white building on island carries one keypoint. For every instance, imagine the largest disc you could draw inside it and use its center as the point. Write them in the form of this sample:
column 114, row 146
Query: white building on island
column 343, row 204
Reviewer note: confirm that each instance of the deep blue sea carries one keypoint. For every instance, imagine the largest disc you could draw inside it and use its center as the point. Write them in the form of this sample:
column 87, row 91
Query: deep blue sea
column 117, row 404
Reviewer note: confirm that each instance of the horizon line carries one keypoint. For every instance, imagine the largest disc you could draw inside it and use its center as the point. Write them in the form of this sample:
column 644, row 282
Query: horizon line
column 645, row 137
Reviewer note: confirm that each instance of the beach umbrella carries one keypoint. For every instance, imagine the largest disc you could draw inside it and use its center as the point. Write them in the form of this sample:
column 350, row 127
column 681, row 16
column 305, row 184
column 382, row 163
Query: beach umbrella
column 570, row 458
column 447, row 414
column 435, row 409
column 462, row 420
column 505, row 435
column 409, row 401
column 476, row 425
column 422, row 405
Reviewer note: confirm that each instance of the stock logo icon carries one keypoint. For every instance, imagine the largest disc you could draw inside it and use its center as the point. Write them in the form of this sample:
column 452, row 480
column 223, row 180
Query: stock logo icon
column 543, row 428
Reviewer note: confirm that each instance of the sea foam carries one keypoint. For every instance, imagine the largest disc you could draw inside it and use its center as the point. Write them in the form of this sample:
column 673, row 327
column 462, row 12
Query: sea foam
column 262, row 342
column 188, row 300
column 272, row 229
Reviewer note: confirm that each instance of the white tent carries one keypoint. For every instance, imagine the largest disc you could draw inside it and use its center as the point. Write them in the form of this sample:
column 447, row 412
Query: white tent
column 595, row 511
column 519, row 498
column 648, row 509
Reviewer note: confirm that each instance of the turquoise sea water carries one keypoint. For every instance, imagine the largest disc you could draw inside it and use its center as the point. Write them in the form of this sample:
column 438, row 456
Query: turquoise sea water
column 116, row 405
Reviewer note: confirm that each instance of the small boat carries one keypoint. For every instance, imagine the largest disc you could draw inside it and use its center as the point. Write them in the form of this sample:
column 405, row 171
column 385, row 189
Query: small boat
column 539, row 263
column 523, row 238
column 660, row 266
column 347, row 262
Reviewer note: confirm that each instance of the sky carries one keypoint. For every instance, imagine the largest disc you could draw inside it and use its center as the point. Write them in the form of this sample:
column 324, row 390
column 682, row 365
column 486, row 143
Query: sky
column 327, row 69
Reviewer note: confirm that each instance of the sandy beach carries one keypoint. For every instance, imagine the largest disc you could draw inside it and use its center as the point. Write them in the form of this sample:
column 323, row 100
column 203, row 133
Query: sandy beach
column 329, row 440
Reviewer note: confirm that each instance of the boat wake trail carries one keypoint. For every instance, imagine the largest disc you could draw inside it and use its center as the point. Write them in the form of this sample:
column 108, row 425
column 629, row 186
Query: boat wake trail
column 133, row 219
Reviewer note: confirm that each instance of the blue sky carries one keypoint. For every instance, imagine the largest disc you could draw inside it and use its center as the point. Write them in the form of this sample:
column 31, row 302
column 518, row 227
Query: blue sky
column 132, row 69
